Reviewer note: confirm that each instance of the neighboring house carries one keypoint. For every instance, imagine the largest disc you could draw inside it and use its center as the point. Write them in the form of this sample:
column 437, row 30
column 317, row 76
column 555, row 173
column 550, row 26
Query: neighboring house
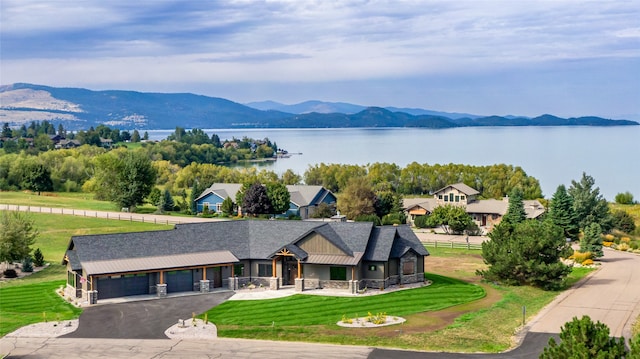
column 485, row 212
column 106, row 142
column 304, row 200
column 234, row 254
column 68, row 144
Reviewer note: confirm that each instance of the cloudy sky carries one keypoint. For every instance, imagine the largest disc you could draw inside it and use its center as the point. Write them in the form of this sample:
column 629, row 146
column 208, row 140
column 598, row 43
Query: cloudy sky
column 565, row 57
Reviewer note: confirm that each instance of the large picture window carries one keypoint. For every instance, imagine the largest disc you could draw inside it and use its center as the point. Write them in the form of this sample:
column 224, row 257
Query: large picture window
column 238, row 270
column 265, row 270
column 338, row 273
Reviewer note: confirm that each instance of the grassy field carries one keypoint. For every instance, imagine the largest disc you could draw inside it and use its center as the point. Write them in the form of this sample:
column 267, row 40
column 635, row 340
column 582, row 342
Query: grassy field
column 56, row 230
column 71, row 200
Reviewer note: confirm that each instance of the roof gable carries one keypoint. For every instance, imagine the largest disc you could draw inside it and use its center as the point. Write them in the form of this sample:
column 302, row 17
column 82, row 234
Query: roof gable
column 316, row 243
column 463, row 188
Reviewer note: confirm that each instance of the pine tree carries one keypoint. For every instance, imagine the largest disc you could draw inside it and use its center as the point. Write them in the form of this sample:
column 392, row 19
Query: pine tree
column 582, row 338
column 167, row 201
column 38, row 258
column 515, row 213
column 590, row 206
column 227, row 206
column 592, row 240
column 195, row 193
column 27, row 264
column 561, row 213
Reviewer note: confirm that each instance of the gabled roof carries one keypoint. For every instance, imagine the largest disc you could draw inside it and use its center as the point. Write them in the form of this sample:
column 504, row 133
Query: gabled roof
column 428, row 204
column 222, row 190
column 302, row 195
column 463, row 188
column 230, row 241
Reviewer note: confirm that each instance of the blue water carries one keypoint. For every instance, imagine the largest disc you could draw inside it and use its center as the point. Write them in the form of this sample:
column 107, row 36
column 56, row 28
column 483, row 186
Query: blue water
column 553, row 155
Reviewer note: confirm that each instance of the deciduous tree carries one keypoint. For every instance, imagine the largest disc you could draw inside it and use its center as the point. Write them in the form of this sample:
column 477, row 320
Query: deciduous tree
column 357, row 198
column 279, row 197
column 256, row 201
column 624, row 198
column 17, row 234
column 452, row 219
column 37, row 178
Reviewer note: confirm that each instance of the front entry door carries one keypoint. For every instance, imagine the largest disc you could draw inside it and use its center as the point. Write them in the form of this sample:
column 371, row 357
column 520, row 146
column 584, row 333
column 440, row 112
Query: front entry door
column 290, row 272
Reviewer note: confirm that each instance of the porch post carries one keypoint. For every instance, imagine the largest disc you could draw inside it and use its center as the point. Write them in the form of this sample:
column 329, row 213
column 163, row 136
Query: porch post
column 299, row 270
column 161, row 288
column 204, row 273
column 273, row 267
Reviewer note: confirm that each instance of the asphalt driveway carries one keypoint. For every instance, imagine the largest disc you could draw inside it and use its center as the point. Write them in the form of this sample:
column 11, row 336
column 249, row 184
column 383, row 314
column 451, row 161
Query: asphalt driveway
column 146, row 319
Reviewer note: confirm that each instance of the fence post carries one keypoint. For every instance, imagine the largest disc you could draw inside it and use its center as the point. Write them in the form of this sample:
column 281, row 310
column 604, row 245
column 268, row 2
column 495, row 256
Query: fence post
column 451, row 244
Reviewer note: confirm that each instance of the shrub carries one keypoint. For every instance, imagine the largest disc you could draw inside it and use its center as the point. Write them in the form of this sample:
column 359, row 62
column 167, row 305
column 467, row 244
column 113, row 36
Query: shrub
column 580, row 257
column 609, row 237
column 625, row 239
column 634, row 245
column 607, row 244
column 10, row 273
column 588, row 262
column 421, row 222
column 38, row 258
column 623, row 247
column 582, row 338
column 27, row 264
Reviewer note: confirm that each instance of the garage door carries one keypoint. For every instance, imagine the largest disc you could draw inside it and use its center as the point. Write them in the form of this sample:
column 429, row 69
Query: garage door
column 122, row 286
column 179, row 281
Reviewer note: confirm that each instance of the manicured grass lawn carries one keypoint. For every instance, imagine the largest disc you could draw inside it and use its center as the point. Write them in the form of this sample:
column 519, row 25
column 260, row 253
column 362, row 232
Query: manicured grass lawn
column 314, row 310
column 32, row 303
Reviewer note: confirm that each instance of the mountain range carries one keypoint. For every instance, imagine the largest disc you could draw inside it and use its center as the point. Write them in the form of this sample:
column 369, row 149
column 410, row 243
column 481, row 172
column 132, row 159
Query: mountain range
column 78, row 108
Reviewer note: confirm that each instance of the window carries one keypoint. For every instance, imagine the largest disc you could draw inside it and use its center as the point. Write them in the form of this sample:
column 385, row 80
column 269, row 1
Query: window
column 338, row 273
column 372, row 268
column 462, row 198
column 450, row 197
column 219, row 207
column 457, row 198
column 238, row 270
column 71, row 279
column 407, row 268
column 439, row 196
column 446, row 198
column 265, row 270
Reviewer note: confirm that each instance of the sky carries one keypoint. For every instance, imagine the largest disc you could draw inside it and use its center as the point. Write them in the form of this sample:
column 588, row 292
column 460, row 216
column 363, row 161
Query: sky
column 513, row 57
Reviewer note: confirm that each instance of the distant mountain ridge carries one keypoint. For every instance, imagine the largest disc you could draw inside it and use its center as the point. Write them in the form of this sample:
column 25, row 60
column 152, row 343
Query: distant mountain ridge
column 78, row 108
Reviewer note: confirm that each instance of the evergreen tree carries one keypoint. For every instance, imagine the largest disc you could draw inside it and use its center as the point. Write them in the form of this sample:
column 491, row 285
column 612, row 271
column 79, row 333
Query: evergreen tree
column 527, row 253
column 155, row 197
column 256, row 201
column 135, row 137
column 195, row 193
column 590, row 206
column 38, row 258
column 227, row 206
column 582, row 338
column 623, row 221
column 27, row 264
column 167, row 201
column 515, row 213
column 592, row 240
column 6, row 131
column 561, row 213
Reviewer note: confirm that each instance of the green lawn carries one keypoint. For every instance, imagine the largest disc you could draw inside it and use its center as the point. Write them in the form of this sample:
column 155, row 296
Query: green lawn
column 56, row 230
column 32, row 303
column 70, row 200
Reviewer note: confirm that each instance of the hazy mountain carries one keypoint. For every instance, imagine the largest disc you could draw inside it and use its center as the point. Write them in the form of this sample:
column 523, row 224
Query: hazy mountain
column 78, row 108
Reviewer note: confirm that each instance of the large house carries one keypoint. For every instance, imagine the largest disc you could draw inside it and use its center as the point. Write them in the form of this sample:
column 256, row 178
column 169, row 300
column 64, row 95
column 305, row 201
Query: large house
column 304, row 200
column 232, row 254
column 486, row 212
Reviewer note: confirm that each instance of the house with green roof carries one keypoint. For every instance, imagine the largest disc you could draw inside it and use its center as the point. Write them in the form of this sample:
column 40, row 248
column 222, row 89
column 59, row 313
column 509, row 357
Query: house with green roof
column 304, row 200
column 202, row 257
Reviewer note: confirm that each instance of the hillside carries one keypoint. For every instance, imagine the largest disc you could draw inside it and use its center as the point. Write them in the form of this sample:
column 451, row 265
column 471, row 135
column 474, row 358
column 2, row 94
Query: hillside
column 78, row 108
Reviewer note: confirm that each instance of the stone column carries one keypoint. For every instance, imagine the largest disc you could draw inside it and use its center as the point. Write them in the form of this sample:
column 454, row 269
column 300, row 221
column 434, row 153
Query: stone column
column 234, row 283
column 353, row 286
column 204, row 286
column 161, row 290
column 274, row 283
column 299, row 284
column 92, row 296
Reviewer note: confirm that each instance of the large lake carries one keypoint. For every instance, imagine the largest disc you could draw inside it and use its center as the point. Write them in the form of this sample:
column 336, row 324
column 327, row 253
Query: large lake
column 553, row 155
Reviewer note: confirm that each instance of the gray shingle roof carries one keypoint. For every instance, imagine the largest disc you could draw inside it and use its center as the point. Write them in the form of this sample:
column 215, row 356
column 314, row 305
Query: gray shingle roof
column 242, row 240
column 462, row 188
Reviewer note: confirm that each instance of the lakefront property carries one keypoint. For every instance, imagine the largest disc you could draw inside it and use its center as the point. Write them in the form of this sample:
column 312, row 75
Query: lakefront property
column 233, row 254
